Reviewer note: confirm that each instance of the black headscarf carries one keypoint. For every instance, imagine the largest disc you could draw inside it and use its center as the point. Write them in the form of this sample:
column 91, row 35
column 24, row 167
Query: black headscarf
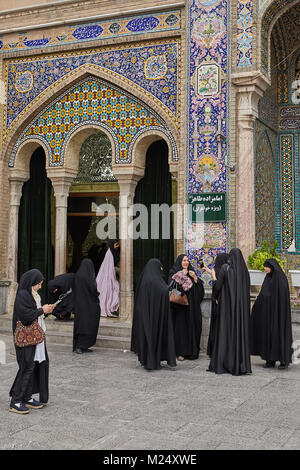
column 187, row 320
column 271, row 326
column 115, row 251
column 62, row 284
column 86, row 306
column 222, row 258
column 231, row 352
column 177, row 266
column 93, row 254
column 25, row 308
column 29, row 279
column 152, row 331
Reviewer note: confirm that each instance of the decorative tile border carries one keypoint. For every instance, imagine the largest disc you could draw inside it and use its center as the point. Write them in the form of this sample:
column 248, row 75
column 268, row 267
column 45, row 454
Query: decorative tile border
column 287, row 189
column 37, row 75
column 208, row 30
column 290, row 118
column 93, row 102
column 245, row 19
column 82, row 33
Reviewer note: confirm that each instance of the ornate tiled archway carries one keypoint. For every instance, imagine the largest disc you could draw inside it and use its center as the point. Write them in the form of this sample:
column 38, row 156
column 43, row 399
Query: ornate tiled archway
column 93, row 102
column 61, row 126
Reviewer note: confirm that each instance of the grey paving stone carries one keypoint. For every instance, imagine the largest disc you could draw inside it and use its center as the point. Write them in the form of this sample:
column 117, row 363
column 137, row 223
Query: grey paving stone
column 106, row 400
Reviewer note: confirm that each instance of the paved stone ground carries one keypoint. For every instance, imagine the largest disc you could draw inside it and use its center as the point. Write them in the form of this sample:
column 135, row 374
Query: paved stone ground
column 105, row 400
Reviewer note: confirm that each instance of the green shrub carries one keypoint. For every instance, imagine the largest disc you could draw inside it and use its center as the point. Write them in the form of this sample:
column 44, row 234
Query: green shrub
column 267, row 250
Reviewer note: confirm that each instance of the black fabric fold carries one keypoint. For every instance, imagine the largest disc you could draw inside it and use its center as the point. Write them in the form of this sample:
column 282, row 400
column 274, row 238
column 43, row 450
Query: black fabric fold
column 231, row 350
column 221, row 259
column 271, row 323
column 86, row 306
column 61, row 284
column 152, row 336
column 187, row 320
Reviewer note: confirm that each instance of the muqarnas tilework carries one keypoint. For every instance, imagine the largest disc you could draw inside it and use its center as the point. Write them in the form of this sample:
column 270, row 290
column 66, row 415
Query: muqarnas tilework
column 268, row 17
column 155, row 68
column 93, row 101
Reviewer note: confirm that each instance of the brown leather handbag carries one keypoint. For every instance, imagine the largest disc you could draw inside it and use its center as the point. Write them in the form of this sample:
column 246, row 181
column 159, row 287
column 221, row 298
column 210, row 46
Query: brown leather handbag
column 30, row 335
column 176, row 297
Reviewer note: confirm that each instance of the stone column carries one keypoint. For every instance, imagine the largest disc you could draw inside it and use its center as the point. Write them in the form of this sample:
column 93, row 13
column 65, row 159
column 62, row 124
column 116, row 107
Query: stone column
column 16, row 185
column 61, row 182
column 127, row 184
column 250, row 88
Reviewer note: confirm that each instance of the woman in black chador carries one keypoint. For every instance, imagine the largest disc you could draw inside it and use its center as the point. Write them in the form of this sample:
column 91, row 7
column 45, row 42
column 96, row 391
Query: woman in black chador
column 221, row 259
column 152, row 336
column 271, row 327
column 187, row 320
column 231, row 350
column 86, row 308
column 61, row 285
column 33, row 373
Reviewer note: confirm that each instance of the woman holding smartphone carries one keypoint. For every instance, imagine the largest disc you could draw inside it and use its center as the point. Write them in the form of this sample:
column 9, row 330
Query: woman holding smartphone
column 33, row 373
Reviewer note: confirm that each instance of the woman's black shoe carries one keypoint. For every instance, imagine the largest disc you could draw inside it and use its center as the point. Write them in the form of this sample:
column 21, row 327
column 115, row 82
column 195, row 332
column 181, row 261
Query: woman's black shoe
column 78, row 351
column 269, row 364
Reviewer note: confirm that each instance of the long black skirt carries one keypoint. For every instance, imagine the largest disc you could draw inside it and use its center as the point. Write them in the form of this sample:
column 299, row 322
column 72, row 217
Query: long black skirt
column 32, row 376
column 187, row 339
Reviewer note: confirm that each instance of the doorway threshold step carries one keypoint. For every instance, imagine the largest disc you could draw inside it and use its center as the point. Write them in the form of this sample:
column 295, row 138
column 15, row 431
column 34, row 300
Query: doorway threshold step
column 111, row 335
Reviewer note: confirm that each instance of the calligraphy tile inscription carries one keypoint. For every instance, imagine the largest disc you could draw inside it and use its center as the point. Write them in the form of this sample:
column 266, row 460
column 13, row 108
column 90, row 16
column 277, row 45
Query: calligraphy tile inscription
column 208, row 207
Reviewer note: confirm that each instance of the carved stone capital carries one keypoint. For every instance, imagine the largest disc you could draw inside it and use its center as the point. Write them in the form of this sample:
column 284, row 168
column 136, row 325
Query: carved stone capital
column 128, row 179
column 250, row 87
column 16, row 185
column 61, row 182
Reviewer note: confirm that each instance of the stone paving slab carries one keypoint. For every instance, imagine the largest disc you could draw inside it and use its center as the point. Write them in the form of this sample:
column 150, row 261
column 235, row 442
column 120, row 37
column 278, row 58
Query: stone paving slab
column 106, row 400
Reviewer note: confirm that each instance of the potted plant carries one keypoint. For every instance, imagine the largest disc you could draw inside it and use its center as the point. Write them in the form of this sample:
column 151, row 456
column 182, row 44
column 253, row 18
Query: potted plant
column 257, row 259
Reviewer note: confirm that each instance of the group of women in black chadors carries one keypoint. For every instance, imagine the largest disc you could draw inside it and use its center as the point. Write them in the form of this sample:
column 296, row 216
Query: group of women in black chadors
column 235, row 334
column 164, row 331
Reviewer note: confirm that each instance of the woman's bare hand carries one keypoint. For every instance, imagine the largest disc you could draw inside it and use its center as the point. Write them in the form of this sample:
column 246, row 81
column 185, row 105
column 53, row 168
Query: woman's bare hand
column 211, row 272
column 193, row 275
column 48, row 308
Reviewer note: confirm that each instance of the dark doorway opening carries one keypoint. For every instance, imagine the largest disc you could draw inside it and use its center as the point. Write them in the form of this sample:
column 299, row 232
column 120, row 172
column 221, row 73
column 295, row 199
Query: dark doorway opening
column 35, row 248
column 155, row 188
